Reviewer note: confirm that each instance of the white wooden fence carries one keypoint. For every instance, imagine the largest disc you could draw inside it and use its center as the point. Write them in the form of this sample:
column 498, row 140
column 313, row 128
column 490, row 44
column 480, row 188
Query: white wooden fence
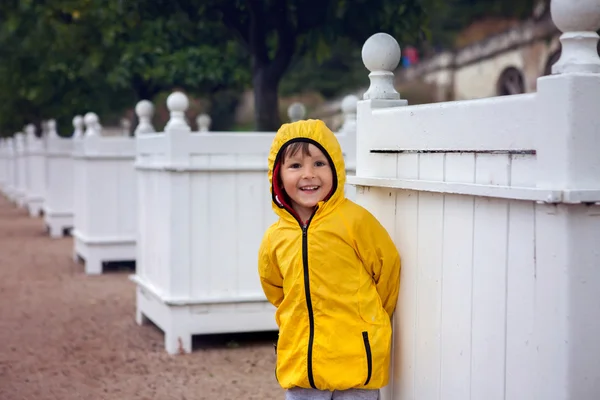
column 493, row 205
column 204, row 203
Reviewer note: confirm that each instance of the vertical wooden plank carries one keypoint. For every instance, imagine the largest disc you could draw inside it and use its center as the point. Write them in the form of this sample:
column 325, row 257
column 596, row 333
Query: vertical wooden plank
column 520, row 303
column 162, row 237
column 455, row 379
column 402, row 382
column 489, row 283
column 223, row 227
column 429, row 280
column 249, row 198
column 127, row 201
column 200, row 190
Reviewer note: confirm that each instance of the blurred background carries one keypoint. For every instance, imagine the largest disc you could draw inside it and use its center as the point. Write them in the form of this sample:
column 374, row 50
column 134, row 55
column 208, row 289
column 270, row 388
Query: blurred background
column 243, row 61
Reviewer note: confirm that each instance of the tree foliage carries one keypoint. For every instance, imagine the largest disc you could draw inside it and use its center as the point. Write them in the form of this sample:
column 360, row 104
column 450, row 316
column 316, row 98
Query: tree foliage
column 60, row 58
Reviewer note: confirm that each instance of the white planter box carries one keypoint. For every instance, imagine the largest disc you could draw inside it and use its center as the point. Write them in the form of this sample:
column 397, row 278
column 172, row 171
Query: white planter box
column 494, row 207
column 204, row 205
column 105, row 198
column 58, row 199
column 36, row 177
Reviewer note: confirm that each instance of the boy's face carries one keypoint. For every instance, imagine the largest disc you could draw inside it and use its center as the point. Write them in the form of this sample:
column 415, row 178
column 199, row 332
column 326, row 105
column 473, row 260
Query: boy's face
column 307, row 179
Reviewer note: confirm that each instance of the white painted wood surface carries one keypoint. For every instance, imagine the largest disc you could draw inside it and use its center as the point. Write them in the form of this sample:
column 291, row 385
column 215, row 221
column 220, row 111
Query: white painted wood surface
column 4, row 164
column 11, row 170
column 104, row 200
column 204, row 204
column 35, row 158
column 493, row 205
column 58, row 199
column 20, row 165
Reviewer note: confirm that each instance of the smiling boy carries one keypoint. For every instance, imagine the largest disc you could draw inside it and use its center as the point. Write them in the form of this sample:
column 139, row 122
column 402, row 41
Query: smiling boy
column 331, row 270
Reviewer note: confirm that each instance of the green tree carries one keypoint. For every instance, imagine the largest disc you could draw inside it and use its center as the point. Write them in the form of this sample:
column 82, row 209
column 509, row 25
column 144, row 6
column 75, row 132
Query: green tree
column 275, row 32
column 65, row 57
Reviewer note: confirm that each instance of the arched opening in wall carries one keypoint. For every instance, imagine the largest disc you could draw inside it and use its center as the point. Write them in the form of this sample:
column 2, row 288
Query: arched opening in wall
column 510, row 82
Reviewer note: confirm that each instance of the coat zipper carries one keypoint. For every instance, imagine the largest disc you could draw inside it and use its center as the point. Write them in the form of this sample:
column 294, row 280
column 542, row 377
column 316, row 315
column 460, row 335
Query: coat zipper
column 311, row 317
column 369, row 356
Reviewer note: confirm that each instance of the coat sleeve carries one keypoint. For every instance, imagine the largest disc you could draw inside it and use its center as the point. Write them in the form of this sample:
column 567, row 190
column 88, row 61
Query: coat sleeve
column 381, row 259
column 271, row 279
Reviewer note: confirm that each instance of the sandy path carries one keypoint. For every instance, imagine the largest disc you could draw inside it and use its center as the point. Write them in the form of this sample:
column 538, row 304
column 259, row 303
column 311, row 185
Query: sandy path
column 65, row 335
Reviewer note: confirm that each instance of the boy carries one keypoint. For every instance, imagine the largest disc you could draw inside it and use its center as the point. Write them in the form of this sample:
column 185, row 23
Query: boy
column 331, row 270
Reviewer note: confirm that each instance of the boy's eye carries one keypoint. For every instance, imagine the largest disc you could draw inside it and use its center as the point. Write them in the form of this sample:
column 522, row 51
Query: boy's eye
column 295, row 165
column 320, row 163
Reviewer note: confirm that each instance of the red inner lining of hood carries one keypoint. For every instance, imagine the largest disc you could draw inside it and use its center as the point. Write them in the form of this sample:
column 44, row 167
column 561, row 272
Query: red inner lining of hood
column 280, row 197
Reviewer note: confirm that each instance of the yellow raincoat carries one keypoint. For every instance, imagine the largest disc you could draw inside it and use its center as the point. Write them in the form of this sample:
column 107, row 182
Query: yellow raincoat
column 334, row 282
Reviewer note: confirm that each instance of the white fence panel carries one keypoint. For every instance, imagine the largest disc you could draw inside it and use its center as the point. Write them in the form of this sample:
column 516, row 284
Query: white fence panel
column 493, row 206
column 205, row 204
column 105, row 200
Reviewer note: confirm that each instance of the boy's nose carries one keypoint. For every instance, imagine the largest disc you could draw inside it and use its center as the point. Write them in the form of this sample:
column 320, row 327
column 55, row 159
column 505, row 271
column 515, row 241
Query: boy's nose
column 308, row 172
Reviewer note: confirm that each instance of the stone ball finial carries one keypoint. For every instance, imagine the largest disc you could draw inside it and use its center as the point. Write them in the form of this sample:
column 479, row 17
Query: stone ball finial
column 349, row 104
column 51, row 126
column 92, row 124
column 30, row 130
column 296, row 112
column 381, row 55
column 78, row 126
column 177, row 103
column 203, row 121
column 144, row 110
column 578, row 20
column 576, row 15
column 381, row 52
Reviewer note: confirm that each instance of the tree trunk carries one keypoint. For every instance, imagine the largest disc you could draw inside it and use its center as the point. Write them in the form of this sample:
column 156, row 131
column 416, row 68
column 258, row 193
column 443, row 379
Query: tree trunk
column 266, row 99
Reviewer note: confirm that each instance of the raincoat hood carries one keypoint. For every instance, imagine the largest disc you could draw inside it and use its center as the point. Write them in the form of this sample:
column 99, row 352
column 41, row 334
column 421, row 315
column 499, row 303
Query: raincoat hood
column 317, row 133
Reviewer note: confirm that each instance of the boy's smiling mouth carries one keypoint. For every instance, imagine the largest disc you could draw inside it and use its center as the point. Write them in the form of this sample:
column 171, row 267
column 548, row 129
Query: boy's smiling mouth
column 309, row 188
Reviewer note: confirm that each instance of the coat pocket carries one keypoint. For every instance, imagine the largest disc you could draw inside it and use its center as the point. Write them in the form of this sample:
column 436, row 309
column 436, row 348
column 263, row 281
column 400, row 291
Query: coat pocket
column 369, row 356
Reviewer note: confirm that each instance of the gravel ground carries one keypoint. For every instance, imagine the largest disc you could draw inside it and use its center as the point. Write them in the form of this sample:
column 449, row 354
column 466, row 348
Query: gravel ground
column 65, row 335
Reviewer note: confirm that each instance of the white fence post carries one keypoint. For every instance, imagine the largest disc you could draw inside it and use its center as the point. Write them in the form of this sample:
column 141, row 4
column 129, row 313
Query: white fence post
column 36, row 177
column 144, row 110
column 12, row 170
column 567, row 328
column 21, row 165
